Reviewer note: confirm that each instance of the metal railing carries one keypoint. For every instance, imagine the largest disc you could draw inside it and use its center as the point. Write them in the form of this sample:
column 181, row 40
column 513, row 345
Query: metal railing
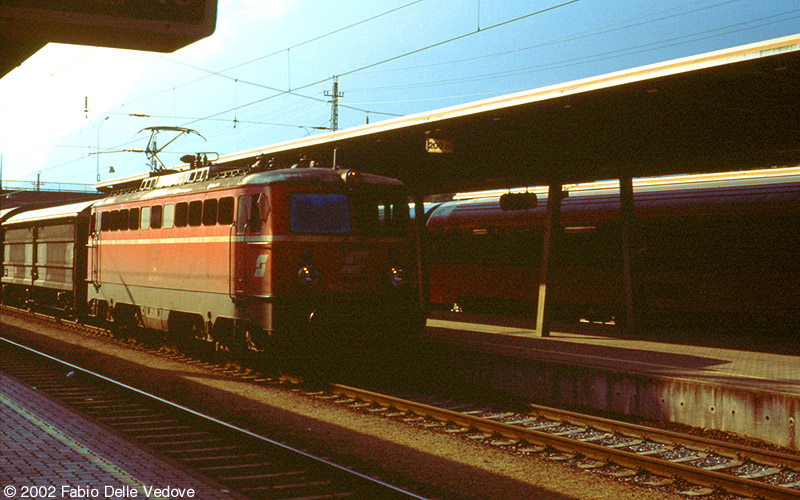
column 70, row 187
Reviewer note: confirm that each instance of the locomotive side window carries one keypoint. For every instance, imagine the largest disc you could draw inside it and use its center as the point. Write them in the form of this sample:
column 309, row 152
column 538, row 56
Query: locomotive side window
column 122, row 220
column 319, row 213
column 156, row 213
column 210, row 212
column 169, row 216
column 225, row 215
column 145, row 217
column 181, row 214
column 105, row 221
column 115, row 220
column 133, row 218
column 195, row 213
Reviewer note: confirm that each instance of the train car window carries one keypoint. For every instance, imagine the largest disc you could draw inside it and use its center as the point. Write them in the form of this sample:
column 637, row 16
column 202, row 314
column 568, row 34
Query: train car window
column 133, row 218
column 169, row 216
column 327, row 213
column 195, row 213
column 225, row 214
column 210, row 212
column 105, row 221
column 241, row 214
column 181, row 214
column 123, row 220
column 156, row 216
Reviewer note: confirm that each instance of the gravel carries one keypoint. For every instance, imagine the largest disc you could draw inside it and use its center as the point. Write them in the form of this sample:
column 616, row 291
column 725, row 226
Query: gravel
column 430, row 462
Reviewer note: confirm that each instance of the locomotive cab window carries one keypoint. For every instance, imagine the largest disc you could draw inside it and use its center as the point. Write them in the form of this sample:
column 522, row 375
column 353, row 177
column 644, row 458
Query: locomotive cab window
column 327, row 213
column 241, row 214
column 381, row 216
column 259, row 211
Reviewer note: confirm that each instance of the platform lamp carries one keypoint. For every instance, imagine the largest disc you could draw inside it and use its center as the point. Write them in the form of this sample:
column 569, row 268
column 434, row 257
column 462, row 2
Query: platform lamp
column 98, row 146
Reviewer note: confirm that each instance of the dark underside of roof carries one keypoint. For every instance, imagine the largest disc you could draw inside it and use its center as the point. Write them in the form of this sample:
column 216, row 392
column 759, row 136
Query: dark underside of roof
column 729, row 117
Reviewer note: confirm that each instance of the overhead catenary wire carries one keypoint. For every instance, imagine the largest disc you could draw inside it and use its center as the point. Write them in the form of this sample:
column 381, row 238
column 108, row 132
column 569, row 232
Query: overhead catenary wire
column 400, row 56
column 274, row 53
column 511, row 72
column 601, row 56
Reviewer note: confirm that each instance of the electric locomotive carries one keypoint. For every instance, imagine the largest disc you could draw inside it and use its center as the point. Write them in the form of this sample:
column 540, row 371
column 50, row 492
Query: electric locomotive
column 248, row 256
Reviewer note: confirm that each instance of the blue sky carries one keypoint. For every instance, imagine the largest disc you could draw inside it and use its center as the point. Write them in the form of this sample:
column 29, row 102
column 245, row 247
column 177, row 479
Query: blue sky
column 261, row 77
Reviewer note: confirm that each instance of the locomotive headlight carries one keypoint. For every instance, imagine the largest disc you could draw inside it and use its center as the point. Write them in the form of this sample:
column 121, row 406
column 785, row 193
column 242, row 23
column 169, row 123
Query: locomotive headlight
column 307, row 276
column 397, row 276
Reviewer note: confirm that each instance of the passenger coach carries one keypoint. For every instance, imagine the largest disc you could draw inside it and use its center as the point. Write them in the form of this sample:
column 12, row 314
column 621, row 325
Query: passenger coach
column 717, row 248
column 44, row 258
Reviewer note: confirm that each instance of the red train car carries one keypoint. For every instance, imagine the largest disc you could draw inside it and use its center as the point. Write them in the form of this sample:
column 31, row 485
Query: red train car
column 721, row 247
column 245, row 257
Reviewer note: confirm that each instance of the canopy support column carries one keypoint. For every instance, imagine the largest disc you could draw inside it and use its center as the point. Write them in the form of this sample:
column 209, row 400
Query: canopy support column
column 421, row 270
column 626, row 211
column 551, row 224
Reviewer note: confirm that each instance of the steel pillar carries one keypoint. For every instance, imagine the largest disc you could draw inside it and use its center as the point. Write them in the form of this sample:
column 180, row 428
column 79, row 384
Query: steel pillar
column 551, row 225
column 627, row 215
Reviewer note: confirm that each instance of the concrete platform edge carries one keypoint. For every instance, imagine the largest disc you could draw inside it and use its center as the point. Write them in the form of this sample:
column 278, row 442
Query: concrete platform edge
column 770, row 416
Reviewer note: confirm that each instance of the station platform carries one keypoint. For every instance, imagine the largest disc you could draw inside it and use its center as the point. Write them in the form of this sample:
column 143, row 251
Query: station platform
column 49, row 446
column 669, row 377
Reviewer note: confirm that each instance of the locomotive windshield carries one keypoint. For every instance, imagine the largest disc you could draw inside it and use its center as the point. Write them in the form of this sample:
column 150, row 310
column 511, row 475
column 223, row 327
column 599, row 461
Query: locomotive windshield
column 381, row 215
column 319, row 213
column 336, row 213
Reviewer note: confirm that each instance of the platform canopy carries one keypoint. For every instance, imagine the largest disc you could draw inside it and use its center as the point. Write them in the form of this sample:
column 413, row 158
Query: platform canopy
column 732, row 109
column 155, row 25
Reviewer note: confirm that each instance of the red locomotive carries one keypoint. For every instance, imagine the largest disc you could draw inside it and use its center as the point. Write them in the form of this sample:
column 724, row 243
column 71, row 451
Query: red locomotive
column 238, row 255
column 716, row 247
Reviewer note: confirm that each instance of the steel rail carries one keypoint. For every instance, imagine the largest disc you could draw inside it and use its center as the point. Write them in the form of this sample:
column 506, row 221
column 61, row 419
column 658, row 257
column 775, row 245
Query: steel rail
column 709, row 478
column 704, row 477
column 313, row 458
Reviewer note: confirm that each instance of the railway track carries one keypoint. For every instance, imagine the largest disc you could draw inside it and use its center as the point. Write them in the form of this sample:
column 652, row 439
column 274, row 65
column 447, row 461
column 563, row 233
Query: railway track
column 656, row 457
column 625, row 449
column 242, row 461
